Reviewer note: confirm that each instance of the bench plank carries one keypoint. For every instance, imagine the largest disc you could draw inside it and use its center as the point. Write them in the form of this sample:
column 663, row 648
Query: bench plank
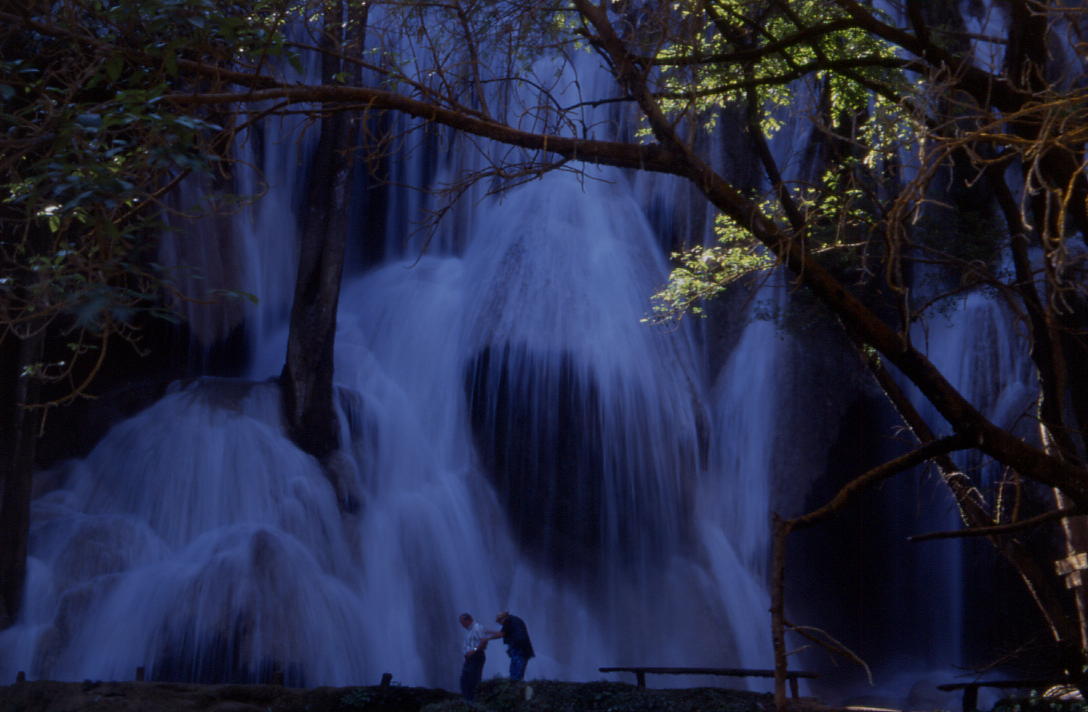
column 1008, row 684
column 640, row 673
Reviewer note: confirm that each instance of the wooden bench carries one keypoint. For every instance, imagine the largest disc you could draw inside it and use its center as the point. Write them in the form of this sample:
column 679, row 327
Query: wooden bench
column 970, row 689
column 640, row 673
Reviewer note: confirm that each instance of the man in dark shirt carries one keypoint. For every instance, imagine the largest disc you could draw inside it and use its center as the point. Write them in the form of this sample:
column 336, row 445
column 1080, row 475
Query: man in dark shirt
column 518, row 646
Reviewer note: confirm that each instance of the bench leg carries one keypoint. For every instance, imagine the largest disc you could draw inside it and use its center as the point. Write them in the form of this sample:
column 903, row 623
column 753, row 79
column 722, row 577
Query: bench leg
column 793, row 687
column 640, row 677
column 970, row 698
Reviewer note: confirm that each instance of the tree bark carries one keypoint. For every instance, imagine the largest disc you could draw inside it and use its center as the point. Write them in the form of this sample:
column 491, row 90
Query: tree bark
column 307, row 377
column 780, row 530
column 18, row 440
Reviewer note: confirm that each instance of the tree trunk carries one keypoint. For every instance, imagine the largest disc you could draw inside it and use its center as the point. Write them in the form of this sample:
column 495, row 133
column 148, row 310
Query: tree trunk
column 18, row 438
column 780, row 530
column 307, row 377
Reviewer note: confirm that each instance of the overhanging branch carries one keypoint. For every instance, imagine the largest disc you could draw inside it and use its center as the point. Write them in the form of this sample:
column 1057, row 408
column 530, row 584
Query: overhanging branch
column 996, row 529
column 932, row 449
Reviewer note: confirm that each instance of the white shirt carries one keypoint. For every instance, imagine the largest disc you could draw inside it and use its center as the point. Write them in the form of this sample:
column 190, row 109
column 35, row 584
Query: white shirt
column 474, row 635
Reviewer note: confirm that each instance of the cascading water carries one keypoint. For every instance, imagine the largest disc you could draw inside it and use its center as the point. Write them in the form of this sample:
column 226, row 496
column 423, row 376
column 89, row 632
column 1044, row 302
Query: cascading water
column 194, row 540
column 734, row 498
column 517, row 438
column 987, row 361
column 520, row 441
column 924, row 591
column 246, row 246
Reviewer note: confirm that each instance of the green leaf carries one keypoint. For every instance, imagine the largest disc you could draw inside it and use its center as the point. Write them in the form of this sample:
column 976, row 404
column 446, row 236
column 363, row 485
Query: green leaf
column 236, row 294
column 170, row 63
column 295, row 62
column 114, row 65
column 190, row 122
column 89, row 120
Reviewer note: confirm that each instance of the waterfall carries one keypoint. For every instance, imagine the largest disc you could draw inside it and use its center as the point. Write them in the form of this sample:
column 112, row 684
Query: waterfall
column 194, row 540
column 735, row 498
column 245, row 247
column 975, row 345
column 928, row 590
column 519, row 441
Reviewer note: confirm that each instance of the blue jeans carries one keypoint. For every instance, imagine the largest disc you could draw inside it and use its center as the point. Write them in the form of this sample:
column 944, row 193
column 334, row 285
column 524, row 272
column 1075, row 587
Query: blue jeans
column 471, row 673
column 517, row 665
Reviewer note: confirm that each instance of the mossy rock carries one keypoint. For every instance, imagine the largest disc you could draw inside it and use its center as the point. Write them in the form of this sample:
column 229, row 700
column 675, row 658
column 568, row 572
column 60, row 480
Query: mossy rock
column 553, row 696
column 498, row 695
column 458, row 705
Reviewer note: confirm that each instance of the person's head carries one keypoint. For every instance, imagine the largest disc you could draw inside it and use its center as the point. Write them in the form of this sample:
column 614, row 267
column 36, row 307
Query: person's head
column 503, row 615
column 466, row 620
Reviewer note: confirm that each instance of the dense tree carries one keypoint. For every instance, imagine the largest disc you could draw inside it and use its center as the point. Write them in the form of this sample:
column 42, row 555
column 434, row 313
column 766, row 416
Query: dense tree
column 925, row 122
column 88, row 155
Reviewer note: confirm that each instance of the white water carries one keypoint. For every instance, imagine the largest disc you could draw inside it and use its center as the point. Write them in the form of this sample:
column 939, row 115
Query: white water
column 197, row 541
column 243, row 248
column 518, row 438
column 928, row 586
column 973, row 342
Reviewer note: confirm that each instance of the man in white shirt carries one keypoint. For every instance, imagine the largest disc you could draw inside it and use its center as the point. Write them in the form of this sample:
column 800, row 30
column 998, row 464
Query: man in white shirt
column 473, row 668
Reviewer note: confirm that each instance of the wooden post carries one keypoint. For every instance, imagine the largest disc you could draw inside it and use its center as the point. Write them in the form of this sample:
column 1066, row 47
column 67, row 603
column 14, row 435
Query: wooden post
column 20, row 676
column 640, row 678
column 387, row 677
column 793, row 687
column 140, row 674
column 1072, row 567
